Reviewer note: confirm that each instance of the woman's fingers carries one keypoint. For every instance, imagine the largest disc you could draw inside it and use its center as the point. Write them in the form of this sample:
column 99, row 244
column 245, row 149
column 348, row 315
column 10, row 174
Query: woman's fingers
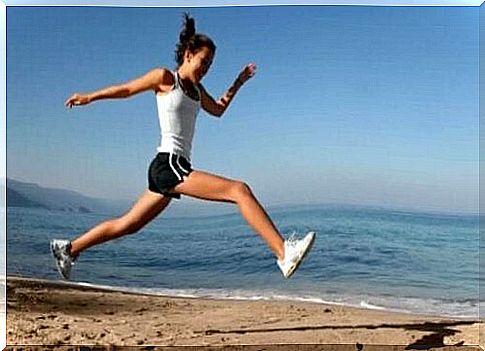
column 71, row 101
column 248, row 72
column 252, row 69
column 75, row 99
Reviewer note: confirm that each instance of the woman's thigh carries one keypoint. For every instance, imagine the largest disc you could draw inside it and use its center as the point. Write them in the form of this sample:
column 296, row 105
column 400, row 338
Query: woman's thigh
column 208, row 186
column 147, row 207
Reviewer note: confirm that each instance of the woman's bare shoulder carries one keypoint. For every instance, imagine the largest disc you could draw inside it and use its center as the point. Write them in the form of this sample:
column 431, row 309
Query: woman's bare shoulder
column 165, row 77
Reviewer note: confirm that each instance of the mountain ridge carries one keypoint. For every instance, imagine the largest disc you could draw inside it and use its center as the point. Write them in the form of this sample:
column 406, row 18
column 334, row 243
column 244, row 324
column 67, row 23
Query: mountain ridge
column 23, row 194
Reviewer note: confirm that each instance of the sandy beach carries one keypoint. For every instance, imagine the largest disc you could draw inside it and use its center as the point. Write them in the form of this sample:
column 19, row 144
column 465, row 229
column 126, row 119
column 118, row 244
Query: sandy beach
column 56, row 313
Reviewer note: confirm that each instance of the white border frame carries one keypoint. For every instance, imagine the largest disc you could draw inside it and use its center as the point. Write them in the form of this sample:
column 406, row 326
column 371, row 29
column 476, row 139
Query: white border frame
column 140, row 3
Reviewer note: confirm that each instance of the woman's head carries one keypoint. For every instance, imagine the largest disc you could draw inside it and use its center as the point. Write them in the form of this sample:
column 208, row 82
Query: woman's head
column 194, row 45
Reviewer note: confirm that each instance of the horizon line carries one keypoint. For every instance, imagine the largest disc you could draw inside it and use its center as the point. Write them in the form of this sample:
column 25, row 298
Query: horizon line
column 276, row 205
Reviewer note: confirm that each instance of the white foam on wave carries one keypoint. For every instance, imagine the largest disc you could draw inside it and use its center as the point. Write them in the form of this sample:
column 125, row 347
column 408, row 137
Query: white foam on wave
column 369, row 306
column 391, row 304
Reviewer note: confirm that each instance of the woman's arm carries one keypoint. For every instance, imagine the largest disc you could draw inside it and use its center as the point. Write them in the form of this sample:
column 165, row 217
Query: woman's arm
column 150, row 81
column 217, row 108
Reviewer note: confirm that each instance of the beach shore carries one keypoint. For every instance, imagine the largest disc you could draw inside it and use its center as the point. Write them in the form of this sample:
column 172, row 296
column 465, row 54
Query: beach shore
column 55, row 313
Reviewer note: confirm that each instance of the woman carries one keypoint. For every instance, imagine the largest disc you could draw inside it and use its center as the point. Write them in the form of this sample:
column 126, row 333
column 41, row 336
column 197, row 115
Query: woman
column 179, row 97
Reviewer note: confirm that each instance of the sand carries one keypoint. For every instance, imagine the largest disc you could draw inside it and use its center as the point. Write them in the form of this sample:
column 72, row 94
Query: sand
column 41, row 312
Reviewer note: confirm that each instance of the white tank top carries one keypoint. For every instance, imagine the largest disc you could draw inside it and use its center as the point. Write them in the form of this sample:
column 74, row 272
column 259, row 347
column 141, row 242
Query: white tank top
column 177, row 115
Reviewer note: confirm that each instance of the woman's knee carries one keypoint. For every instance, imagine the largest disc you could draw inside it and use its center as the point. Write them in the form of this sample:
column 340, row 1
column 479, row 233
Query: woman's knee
column 240, row 190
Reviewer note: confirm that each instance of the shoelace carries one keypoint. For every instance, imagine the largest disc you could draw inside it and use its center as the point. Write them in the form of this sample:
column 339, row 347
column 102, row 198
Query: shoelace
column 292, row 240
column 64, row 254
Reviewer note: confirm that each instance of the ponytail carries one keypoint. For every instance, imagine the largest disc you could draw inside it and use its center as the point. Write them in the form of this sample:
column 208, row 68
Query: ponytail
column 188, row 30
column 190, row 40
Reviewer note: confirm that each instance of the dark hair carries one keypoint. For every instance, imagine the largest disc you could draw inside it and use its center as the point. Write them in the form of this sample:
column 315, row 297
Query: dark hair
column 190, row 40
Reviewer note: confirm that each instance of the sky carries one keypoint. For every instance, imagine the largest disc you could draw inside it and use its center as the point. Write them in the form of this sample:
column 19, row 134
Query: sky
column 351, row 104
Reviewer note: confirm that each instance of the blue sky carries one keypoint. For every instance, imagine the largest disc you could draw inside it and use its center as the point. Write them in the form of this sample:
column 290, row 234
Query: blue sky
column 362, row 105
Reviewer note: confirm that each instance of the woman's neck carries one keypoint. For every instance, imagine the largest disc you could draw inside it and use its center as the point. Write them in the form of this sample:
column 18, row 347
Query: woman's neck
column 184, row 74
column 187, row 85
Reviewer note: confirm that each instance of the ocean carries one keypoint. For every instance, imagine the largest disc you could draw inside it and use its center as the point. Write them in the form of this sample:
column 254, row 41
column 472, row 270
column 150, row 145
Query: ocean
column 421, row 263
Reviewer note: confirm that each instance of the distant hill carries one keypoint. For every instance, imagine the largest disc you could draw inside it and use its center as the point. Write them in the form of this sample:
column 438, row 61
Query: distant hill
column 17, row 200
column 20, row 194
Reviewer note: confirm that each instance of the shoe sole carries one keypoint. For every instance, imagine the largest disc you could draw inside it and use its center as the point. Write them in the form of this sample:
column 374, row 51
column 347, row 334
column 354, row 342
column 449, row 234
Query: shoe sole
column 305, row 252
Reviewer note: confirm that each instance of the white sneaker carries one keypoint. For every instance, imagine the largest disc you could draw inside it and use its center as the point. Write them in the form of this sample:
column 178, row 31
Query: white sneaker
column 61, row 250
column 295, row 252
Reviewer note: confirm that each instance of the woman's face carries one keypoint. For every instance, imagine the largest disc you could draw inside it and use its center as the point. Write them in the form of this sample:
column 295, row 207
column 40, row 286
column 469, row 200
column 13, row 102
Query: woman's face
column 199, row 63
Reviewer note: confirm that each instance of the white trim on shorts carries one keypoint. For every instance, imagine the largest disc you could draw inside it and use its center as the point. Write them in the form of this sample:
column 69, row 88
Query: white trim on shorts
column 182, row 168
column 173, row 167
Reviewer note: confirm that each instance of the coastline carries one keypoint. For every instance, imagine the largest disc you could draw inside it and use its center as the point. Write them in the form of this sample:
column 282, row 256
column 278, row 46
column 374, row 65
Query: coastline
column 62, row 313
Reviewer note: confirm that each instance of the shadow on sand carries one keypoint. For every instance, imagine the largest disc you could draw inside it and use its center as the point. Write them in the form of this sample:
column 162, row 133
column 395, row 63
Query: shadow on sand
column 439, row 331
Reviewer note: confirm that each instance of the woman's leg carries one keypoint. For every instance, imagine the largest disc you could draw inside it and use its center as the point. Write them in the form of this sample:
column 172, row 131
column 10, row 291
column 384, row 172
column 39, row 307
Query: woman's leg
column 211, row 187
column 148, row 206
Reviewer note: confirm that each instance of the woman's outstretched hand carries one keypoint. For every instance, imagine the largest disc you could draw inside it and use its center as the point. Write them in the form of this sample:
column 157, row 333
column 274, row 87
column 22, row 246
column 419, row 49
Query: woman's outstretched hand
column 247, row 72
column 77, row 100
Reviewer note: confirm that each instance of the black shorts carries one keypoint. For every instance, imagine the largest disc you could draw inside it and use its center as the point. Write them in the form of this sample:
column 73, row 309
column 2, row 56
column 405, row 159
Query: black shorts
column 166, row 171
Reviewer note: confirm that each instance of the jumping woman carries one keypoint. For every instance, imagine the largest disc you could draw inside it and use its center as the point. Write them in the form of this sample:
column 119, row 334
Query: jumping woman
column 180, row 95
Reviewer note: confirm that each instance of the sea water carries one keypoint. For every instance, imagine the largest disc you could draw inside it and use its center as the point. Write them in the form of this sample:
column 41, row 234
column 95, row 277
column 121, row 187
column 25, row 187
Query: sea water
column 372, row 258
